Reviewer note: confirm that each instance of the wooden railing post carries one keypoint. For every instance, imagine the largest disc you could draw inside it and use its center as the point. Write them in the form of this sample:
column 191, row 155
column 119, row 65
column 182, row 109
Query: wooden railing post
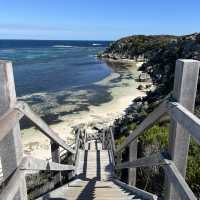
column 55, row 154
column 185, row 87
column 103, row 139
column 112, row 140
column 132, row 156
column 119, row 161
column 11, row 151
column 85, row 138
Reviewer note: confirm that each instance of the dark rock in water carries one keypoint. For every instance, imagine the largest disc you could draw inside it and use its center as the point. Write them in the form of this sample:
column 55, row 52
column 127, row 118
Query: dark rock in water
column 140, row 87
column 138, row 99
column 148, row 86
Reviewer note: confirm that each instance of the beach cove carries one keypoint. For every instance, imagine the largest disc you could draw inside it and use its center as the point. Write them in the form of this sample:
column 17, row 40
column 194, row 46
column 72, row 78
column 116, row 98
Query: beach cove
column 68, row 86
column 122, row 89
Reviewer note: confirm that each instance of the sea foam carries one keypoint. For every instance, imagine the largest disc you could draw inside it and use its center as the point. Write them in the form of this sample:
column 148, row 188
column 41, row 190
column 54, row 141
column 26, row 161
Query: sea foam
column 62, row 46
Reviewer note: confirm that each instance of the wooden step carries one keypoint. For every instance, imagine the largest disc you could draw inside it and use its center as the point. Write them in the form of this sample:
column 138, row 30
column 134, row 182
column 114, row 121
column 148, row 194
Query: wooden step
column 89, row 190
column 96, row 184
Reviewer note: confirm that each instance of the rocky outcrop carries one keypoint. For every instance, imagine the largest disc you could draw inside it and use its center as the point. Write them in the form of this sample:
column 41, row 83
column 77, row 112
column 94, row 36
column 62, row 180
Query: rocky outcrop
column 159, row 53
column 138, row 47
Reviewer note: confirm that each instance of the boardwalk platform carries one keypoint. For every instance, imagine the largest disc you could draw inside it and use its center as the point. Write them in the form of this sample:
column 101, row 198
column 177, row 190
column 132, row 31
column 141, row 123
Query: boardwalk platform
column 94, row 179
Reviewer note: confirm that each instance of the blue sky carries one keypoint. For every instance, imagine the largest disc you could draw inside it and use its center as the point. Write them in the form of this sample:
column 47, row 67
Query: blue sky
column 96, row 19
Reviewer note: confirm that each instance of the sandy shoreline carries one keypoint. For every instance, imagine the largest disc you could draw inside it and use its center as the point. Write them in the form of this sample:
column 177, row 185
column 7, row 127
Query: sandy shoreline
column 123, row 93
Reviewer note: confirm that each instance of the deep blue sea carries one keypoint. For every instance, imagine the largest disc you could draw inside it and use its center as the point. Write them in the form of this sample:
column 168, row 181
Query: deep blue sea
column 52, row 66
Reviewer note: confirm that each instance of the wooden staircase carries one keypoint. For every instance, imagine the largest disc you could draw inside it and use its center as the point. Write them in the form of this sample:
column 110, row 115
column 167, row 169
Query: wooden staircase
column 94, row 179
column 91, row 161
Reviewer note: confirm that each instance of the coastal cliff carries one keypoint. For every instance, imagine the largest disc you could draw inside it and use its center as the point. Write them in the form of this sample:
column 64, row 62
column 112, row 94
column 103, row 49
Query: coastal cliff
column 159, row 54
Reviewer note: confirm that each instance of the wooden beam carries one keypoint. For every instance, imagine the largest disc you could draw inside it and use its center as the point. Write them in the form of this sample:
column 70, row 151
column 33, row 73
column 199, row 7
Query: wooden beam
column 156, row 159
column 184, row 92
column 186, row 119
column 140, row 193
column 24, row 108
column 11, row 148
column 77, row 141
column 8, row 121
column 178, row 181
column 103, row 139
column 133, row 149
column 147, row 123
column 34, row 164
column 85, row 137
column 77, row 145
column 112, row 139
column 55, row 154
column 12, row 187
column 112, row 157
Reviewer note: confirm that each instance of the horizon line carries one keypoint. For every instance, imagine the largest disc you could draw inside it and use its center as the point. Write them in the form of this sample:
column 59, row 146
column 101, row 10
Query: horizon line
column 101, row 40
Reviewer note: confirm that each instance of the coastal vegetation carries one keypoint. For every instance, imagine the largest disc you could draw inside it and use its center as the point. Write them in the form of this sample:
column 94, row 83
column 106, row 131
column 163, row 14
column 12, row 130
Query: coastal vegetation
column 159, row 54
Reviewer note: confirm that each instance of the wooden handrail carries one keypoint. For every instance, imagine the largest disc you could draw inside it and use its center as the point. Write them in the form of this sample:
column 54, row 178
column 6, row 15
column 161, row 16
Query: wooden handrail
column 178, row 181
column 112, row 157
column 112, row 139
column 156, row 159
column 25, row 109
column 184, row 117
column 85, row 138
column 8, row 121
column 171, row 171
column 77, row 143
column 187, row 119
column 11, row 188
column 111, row 145
column 77, row 140
column 30, row 163
column 147, row 123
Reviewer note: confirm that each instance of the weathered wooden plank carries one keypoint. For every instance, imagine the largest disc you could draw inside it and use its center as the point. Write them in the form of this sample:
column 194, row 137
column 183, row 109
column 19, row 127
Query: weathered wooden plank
column 85, row 138
column 8, row 121
column 186, row 119
column 55, row 154
column 112, row 156
column 112, row 148
column 24, row 108
column 178, row 181
column 112, row 139
column 147, row 123
column 140, row 193
column 77, row 145
column 133, row 148
column 77, row 140
column 184, row 92
column 12, row 187
column 11, row 148
column 34, row 164
column 103, row 139
column 156, row 159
